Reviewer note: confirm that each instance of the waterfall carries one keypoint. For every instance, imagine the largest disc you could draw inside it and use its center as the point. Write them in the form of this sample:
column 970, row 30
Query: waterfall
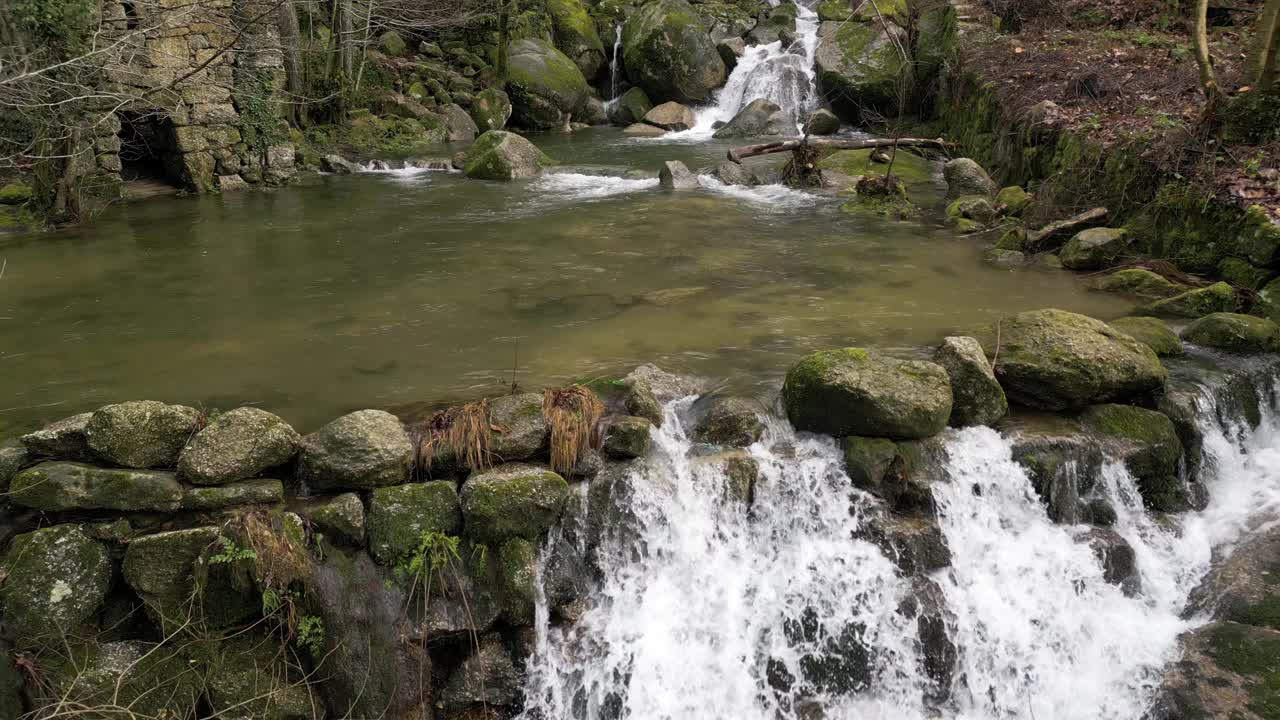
column 613, row 62
column 704, row 609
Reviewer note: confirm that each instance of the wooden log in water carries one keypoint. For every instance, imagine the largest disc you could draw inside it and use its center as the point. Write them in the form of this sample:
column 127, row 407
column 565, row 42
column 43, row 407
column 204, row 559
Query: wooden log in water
column 739, row 153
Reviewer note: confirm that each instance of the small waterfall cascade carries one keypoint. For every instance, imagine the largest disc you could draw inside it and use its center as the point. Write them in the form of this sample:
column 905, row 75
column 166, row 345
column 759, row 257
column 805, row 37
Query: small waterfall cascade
column 613, row 62
column 704, row 609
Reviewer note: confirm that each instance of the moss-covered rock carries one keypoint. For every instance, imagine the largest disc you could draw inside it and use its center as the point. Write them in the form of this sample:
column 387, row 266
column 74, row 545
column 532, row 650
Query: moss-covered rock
column 639, row 400
column 141, row 434
column 517, row 563
column 965, row 176
column 867, row 461
column 543, row 84
column 55, row 579
column 860, row 71
column 247, row 675
column 1234, row 333
column 500, row 155
column 514, row 500
column 181, row 581
column 340, row 518
column 486, row 678
column 576, row 35
column 258, row 491
column 399, row 516
column 728, row 421
column 391, row 44
column 358, row 451
column 859, row 392
column 1139, row 282
column 916, row 173
column 1216, row 298
column 1014, row 200
column 1094, row 249
column 1152, row 332
column 15, row 193
column 63, row 440
column 626, row 437
column 668, row 53
column 1150, row 447
column 836, row 10
column 1242, row 273
column 60, row 486
column 151, row 681
column 1054, row 360
column 491, row 109
column 13, row 457
column 238, row 444
column 977, row 396
column 779, row 24
column 971, row 207
column 519, row 427
column 1261, row 238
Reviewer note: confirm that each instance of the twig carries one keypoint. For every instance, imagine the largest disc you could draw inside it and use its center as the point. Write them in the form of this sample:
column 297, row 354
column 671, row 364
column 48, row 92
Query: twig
column 996, row 357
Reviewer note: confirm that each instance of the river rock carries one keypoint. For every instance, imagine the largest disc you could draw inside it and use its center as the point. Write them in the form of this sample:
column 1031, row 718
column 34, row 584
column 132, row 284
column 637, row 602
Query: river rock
column 966, row 177
column 630, row 107
column 238, row 444
column 735, row 469
column 513, row 500
column 1148, row 444
column 1217, row 298
column 664, row 385
column 1139, row 282
column 860, row 71
column 173, row 575
column 1152, row 332
column 500, row 155
column 487, row 677
column 727, row 421
column 1242, row 587
column 260, row 491
column 732, row 173
column 671, row 116
column 594, row 112
column 978, row 398
column 1119, row 562
column 490, row 109
column 340, row 518
column 575, row 34
column 544, row 85
column 1055, row 360
column 913, row 542
column 519, row 428
column 859, row 392
column 971, row 207
column 1227, row 670
column 338, row 165
column 151, row 681
column 1063, row 462
column 822, row 122
column 60, row 486
column 730, row 50
column 1234, row 333
column 641, row 401
column 643, row 130
column 675, row 176
column 779, row 24
column 248, row 677
column 667, row 52
column 1094, row 249
column 358, row 451
column 759, row 118
column 56, row 578
column 400, row 515
column 1053, row 235
column 141, row 434
column 867, row 462
column 458, row 123
column 13, row 457
column 62, row 440
column 517, row 568
column 626, row 437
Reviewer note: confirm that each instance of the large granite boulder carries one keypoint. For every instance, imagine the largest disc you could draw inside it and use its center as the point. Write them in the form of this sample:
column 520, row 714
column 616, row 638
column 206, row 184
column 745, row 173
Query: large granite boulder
column 544, row 85
column 964, row 177
column 500, row 155
column 630, row 108
column 458, row 123
column 61, row 486
column 859, row 392
column 671, row 115
column 1234, row 333
column 978, row 398
column 1152, row 332
column 399, row 516
column 759, row 118
column 514, row 500
column 238, row 444
column 56, row 578
column 1094, row 249
column 141, row 434
column 576, row 35
column 358, row 451
column 668, row 53
column 860, row 71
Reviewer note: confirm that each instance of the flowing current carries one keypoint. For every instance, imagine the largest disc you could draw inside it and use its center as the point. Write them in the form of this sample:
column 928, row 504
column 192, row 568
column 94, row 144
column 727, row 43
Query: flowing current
column 707, row 610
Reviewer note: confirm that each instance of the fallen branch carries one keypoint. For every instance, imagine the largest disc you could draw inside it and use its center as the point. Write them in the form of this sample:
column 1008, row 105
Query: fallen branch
column 739, row 153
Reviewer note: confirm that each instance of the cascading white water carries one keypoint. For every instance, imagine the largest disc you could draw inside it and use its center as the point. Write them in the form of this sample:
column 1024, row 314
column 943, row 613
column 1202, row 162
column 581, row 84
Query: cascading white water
column 703, row 604
column 613, row 62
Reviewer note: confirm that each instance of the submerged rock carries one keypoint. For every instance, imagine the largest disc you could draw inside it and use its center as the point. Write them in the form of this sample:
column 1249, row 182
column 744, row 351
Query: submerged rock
column 141, row 434
column 400, row 516
column 914, row 542
column 1152, row 332
column 739, row 471
column 675, row 176
column 514, row 500
column 500, row 155
column 544, row 85
column 338, row 165
column 55, row 579
column 671, row 116
column 859, row 392
column 978, row 398
column 964, row 176
column 667, row 52
column 643, row 130
column 358, row 451
column 732, row 173
column 62, row 440
column 60, row 486
column 1217, row 298
column 758, row 118
column 1149, row 445
column 238, row 444
column 1234, row 333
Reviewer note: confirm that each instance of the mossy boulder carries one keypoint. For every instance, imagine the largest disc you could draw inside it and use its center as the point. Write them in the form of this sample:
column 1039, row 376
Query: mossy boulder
column 1149, row 445
column 400, row 515
column 517, row 567
column 543, row 84
column 13, row 457
column 977, row 398
column 178, row 579
column 575, row 34
column 55, row 579
column 1242, row 273
column 837, row 10
column 867, row 461
column 860, row 71
column 60, row 486
column 500, row 155
column 1139, row 282
column 639, row 400
column 971, row 207
column 15, row 193
column 519, row 427
column 391, row 44
column 1054, row 360
column 150, row 680
column 1094, row 249
column 728, row 421
column 965, row 176
column 668, row 53
column 1216, row 298
column 1152, row 332
column 63, row 439
column 238, row 444
column 1234, row 333
column 1014, row 200
column 340, row 518
column 899, row 473
column 859, row 392
column 630, row 108
column 247, row 675
column 822, row 122
column 358, row 451
column 1261, row 237
column 626, row 437
column 258, row 491
column 914, row 171
column 491, row 109
column 759, row 118
column 141, row 434
column 780, row 24
column 514, row 500
column 487, row 678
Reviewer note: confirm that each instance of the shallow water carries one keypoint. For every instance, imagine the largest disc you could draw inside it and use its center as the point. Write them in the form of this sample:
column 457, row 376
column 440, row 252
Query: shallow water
column 386, row 289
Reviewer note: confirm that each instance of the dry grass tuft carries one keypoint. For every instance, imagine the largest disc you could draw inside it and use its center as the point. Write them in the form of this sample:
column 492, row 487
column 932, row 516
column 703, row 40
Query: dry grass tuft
column 279, row 559
column 573, row 414
column 463, row 433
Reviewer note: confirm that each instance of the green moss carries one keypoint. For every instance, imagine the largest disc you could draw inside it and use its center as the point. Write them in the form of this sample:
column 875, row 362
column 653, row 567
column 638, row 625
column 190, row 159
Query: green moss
column 838, row 10
column 1251, row 118
column 512, row 501
column 1014, row 199
column 1151, row 450
column 1242, row 273
column 1265, row 612
column 627, row 437
column 1013, row 239
column 15, row 193
column 399, row 515
column 517, row 562
column 60, row 486
column 1152, row 332
column 1217, row 298
column 1260, row 237
column 1139, row 282
column 1254, row 654
column 913, row 170
column 867, row 460
column 1234, row 333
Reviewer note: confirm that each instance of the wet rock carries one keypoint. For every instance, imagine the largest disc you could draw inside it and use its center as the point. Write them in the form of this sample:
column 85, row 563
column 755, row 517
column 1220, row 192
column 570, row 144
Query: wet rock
column 641, row 401
column 1055, row 360
column 55, row 579
column 822, row 122
column 490, row 110
column 141, row 434
column 1013, row 200
column 728, row 421
column 1062, row 461
column 1139, row 282
column 61, row 440
column 667, row 52
column 738, row 470
column 500, row 155
column 1149, row 445
column 60, row 486
column 1217, row 298
column 913, row 542
column 860, row 71
column 859, row 392
column 897, row 473
column 675, row 176
column 575, row 34
column 867, row 462
column 630, row 108
column 519, row 428
column 259, row 491
column 1152, row 332
column 543, row 84
column 1053, row 235
column 517, row 563
column 338, row 165
column 1004, row 258
column 1119, row 562
column 487, row 677
column 238, row 444
column 971, row 207
column 758, row 118
column 730, row 50
column 514, row 500
column 777, row 24
column 928, row 605
column 626, row 437
column 964, row 176
column 340, row 518
column 458, row 123
column 152, row 681
column 1094, row 249
column 643, row 130
column 1244, row 586
column 247, row 676
column 13, row 457
column 173, row 575
column 399, row 516
column 594, row 112
column 977, row 396
column 1227, row 670
column 358, row 451
column 671, row 116
column 666, row 386
column 1243, row 334
column 732, row 173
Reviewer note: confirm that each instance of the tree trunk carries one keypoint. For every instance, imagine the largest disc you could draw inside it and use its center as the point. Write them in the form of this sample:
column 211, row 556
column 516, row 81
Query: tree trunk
column 504, row 22
column 1208, row 78
column 291, row 47
column 1262, row 53
column 1267, row 78
column 739, row 153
